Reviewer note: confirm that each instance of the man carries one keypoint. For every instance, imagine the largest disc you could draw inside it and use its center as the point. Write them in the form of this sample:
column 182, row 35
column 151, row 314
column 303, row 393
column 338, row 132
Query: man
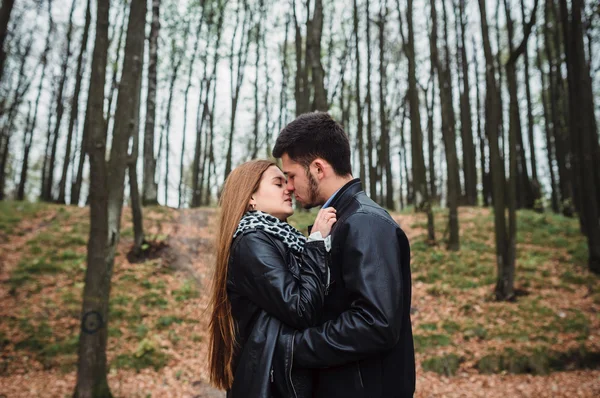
column 364, row 348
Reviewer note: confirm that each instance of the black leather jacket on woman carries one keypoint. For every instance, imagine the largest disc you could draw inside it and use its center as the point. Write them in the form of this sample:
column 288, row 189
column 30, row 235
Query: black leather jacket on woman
column 269, row 286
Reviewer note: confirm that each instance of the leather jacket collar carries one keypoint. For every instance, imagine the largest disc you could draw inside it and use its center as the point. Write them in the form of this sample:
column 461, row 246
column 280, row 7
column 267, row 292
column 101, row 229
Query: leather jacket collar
column 346, row 193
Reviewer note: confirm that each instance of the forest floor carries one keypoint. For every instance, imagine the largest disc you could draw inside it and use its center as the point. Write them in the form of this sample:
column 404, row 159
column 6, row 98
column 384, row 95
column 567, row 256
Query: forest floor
column 545, row 344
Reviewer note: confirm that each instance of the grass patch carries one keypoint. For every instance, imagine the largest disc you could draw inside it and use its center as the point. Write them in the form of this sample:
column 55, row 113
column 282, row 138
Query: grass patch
column 27, row 269
column 153, row 299
column 424, row 342
column 188, row 291
column 13, row 212
column 451, row 327
column 446, row 365
column 572, row 278
column 428, row 326
column 166, row 321
column 146, row 355
column 538, row 361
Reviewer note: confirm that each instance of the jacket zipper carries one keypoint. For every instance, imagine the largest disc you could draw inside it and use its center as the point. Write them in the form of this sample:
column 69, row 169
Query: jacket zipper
column 291, row 364
column 360, row 375
column 271, row 375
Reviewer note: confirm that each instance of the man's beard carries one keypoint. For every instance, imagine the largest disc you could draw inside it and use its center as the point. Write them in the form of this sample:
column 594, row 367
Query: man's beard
column 313, row 192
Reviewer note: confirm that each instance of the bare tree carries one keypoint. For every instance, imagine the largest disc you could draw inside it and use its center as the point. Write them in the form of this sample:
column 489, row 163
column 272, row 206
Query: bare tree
column 185, row 106
column 550, row 153
column 505, row 244
column 92, row 370
column 107, row 192
column 314, row 32
column 30, row 129
column 583, row 129
column 466, row 124
column 359, row 131
column 5, row 11
column 385, row 161
column 448, row 127
column 75, row 105
column 176, row 61
column 238, row 71
column 150, row 185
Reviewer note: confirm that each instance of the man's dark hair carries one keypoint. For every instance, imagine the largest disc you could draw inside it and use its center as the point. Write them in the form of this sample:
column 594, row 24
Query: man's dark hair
column 315, row 135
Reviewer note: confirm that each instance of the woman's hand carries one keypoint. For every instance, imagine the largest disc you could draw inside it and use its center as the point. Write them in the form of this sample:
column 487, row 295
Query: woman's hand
column 324, row 221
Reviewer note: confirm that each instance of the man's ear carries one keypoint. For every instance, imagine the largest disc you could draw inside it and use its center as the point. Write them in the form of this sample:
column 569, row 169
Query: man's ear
column 320, row 168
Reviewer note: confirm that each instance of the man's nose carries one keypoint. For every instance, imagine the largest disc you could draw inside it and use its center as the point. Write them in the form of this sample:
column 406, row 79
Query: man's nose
column 290, row 187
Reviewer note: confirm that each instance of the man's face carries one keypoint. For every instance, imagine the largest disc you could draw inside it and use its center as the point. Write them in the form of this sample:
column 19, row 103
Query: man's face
column 301, row 183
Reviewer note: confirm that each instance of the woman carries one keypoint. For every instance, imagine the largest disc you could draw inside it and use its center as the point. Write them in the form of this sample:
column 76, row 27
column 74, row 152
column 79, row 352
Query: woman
column 267, row 273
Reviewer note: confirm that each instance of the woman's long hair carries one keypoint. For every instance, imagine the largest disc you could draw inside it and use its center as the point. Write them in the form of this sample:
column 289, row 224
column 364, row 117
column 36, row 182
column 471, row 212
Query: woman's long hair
column 243, row 181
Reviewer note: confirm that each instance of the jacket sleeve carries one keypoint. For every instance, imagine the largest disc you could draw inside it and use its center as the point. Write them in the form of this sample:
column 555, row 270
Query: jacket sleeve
column 375, row 254
column 293, row 294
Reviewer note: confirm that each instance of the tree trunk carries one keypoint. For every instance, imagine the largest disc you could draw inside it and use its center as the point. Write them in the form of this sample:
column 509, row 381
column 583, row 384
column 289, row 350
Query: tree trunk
column 284, row 70
column 5, row 11
column 549, row 134
column 504, row 259
column 176, row 60
column 448, row 129
column 237, row 82
column 318, row 74
column 114, row 83
column 60, row 107
column 385, row 160
column 199, row 163
column 524, row 192
column 371, row 167
column 74, row 106
column 150, row 185
column 557, row 101
column 359, row 131
column 584, row 135
column 92, row 369
column 28, row 139
column 500, row 79
column 409, row 186
column 469, row 155
column 268, row 127
column 418, row 164
column 185, row 107
column 530, row 134
column 21, row 89
column 430, row 138
column 301, row 86
column 485, row 175
column 255, row 134
column 136, row 201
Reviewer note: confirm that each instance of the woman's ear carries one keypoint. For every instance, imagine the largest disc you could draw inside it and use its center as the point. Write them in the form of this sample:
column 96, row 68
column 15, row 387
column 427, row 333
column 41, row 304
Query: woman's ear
column 252, row 203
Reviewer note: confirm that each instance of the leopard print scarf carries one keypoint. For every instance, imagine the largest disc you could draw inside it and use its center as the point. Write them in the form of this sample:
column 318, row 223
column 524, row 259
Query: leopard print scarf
column 283, row 231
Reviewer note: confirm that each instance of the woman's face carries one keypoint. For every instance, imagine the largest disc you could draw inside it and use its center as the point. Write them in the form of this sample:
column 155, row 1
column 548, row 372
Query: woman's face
column 272, row 196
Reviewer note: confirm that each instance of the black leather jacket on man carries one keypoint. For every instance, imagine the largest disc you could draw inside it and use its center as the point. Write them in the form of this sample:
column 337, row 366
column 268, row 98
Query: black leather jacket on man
column 364, row 348
column 269, row 286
